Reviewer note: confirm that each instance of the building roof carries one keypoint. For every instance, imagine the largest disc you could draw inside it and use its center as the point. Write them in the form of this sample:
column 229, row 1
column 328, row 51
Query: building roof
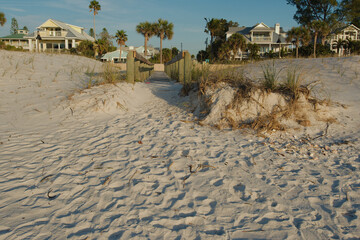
column 246, row 31
column 72, row 30
column 338, row 30
column 115, row 54
column 14, row 36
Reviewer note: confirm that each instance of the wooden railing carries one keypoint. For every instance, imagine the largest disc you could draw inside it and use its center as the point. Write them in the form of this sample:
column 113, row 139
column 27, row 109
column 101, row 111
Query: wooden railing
column 179, row 68
column 138, row 68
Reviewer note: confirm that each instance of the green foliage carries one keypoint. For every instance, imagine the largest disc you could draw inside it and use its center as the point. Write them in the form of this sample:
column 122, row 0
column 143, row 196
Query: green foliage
column 147, row 29
column 86, row 48
column 236, row 42
column 354, row 46
column 202, row 55
column 94, row 7
column 271, row 76
column 166, row 56
column 254, row 51
column 217, row 29
column 321, row 50
column 91, row 32
column 2, row 19
column 14, row 26
column 25, row 28
column 174, row 51
column 298, row 35
column 307, row 11
column 350, row 10
column 13, row 48
column 164, row 30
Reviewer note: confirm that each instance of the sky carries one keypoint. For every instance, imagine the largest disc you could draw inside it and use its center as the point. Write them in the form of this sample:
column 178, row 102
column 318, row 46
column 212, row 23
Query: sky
column 186, row 15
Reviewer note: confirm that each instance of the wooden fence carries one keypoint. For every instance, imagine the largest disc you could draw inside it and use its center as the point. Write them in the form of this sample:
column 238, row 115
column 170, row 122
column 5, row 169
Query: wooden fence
column 137, row 67
column 179, row 68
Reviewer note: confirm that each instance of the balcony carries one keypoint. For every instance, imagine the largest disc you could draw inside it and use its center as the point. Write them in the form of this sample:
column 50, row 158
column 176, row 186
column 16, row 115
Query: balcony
column 46, row 33
column 261, row 39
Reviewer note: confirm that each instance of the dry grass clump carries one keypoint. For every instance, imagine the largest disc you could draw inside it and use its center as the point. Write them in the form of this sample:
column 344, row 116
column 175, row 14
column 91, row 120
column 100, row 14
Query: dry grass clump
column 109, row 75
column 260, row 106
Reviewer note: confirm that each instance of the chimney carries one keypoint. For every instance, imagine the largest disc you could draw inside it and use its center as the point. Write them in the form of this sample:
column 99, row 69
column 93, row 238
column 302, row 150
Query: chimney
column 277, row 28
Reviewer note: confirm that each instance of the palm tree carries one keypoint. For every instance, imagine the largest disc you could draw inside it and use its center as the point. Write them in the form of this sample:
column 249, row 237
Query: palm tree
column 298, row 35
column 340, row 45
column 236, row 42
column 95, row 8
column 2, row 19
column 147, row 30
column 121, row 38
column 164, row 30
column 316, row 26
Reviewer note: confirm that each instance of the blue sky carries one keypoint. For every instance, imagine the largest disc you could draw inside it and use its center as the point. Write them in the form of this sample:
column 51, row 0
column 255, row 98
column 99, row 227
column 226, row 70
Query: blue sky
column 186, row 15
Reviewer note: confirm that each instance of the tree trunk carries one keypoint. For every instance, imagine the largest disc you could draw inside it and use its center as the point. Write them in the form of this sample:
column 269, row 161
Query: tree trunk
column 145, row 46
column 315, row 40
column 94, row 27
column 120, row 54
column 297, row 50
column 161, row 50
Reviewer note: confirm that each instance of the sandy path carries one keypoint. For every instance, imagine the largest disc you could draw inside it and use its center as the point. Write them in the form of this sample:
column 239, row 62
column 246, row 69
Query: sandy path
column 123, row 177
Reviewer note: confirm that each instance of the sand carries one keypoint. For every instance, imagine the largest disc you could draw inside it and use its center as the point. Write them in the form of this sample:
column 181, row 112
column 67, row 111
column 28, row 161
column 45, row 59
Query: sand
column 129, row 162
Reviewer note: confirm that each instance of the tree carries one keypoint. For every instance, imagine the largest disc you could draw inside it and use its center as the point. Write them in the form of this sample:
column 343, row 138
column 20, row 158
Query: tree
column 254, row 50
column 202, row 55
column 341, row 45
column 350, row 10
column 14, row 26
column 86, row 48
column 217, row 29
column 2, row 19
column 121, row 38
column 164, row 30
column 147, row 30
column 316, row 26
column 25, row 28
column 298, row 35
column 174, row 51
column 225, row 51
column 91, row 32
column 309, row 10
column 95, row 8
column 236, row 42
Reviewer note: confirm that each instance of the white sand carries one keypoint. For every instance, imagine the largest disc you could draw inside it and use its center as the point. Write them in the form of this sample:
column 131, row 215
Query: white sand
column 117, row 170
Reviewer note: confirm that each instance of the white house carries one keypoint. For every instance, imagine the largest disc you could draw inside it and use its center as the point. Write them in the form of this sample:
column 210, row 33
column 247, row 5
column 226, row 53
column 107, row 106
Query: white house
column 268, row 38
column 55, row 35
column 115, row 55
column 17, row 40
column 349, row 32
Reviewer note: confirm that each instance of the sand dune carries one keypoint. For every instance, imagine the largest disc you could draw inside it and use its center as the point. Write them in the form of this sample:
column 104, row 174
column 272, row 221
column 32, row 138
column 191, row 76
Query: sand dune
column 77, row 165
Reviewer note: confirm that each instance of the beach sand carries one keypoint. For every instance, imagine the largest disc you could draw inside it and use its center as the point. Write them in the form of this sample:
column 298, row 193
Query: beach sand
column 129, row 162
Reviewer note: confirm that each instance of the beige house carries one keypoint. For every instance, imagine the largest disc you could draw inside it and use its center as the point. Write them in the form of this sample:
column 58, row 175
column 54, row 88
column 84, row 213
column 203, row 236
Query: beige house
column 54, row 35
column 350, row 32
column 268, row 38
column 17, row 40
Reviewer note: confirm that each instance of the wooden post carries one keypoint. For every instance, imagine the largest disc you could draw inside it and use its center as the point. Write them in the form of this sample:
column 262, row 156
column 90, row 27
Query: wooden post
column 188, row 66
column 137, row 71
column 181, row 70
column 130, row 65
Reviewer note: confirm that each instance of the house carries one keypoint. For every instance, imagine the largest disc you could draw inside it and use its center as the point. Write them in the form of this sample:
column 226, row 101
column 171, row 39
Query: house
column 268, row 38
column 114, row 56
column 17, row 40
column 349, row 32
column 54, row 35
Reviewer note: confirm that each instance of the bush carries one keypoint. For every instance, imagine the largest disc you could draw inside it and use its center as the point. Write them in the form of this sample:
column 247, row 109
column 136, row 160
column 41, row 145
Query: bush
column 321, row 50
column 86, row 48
